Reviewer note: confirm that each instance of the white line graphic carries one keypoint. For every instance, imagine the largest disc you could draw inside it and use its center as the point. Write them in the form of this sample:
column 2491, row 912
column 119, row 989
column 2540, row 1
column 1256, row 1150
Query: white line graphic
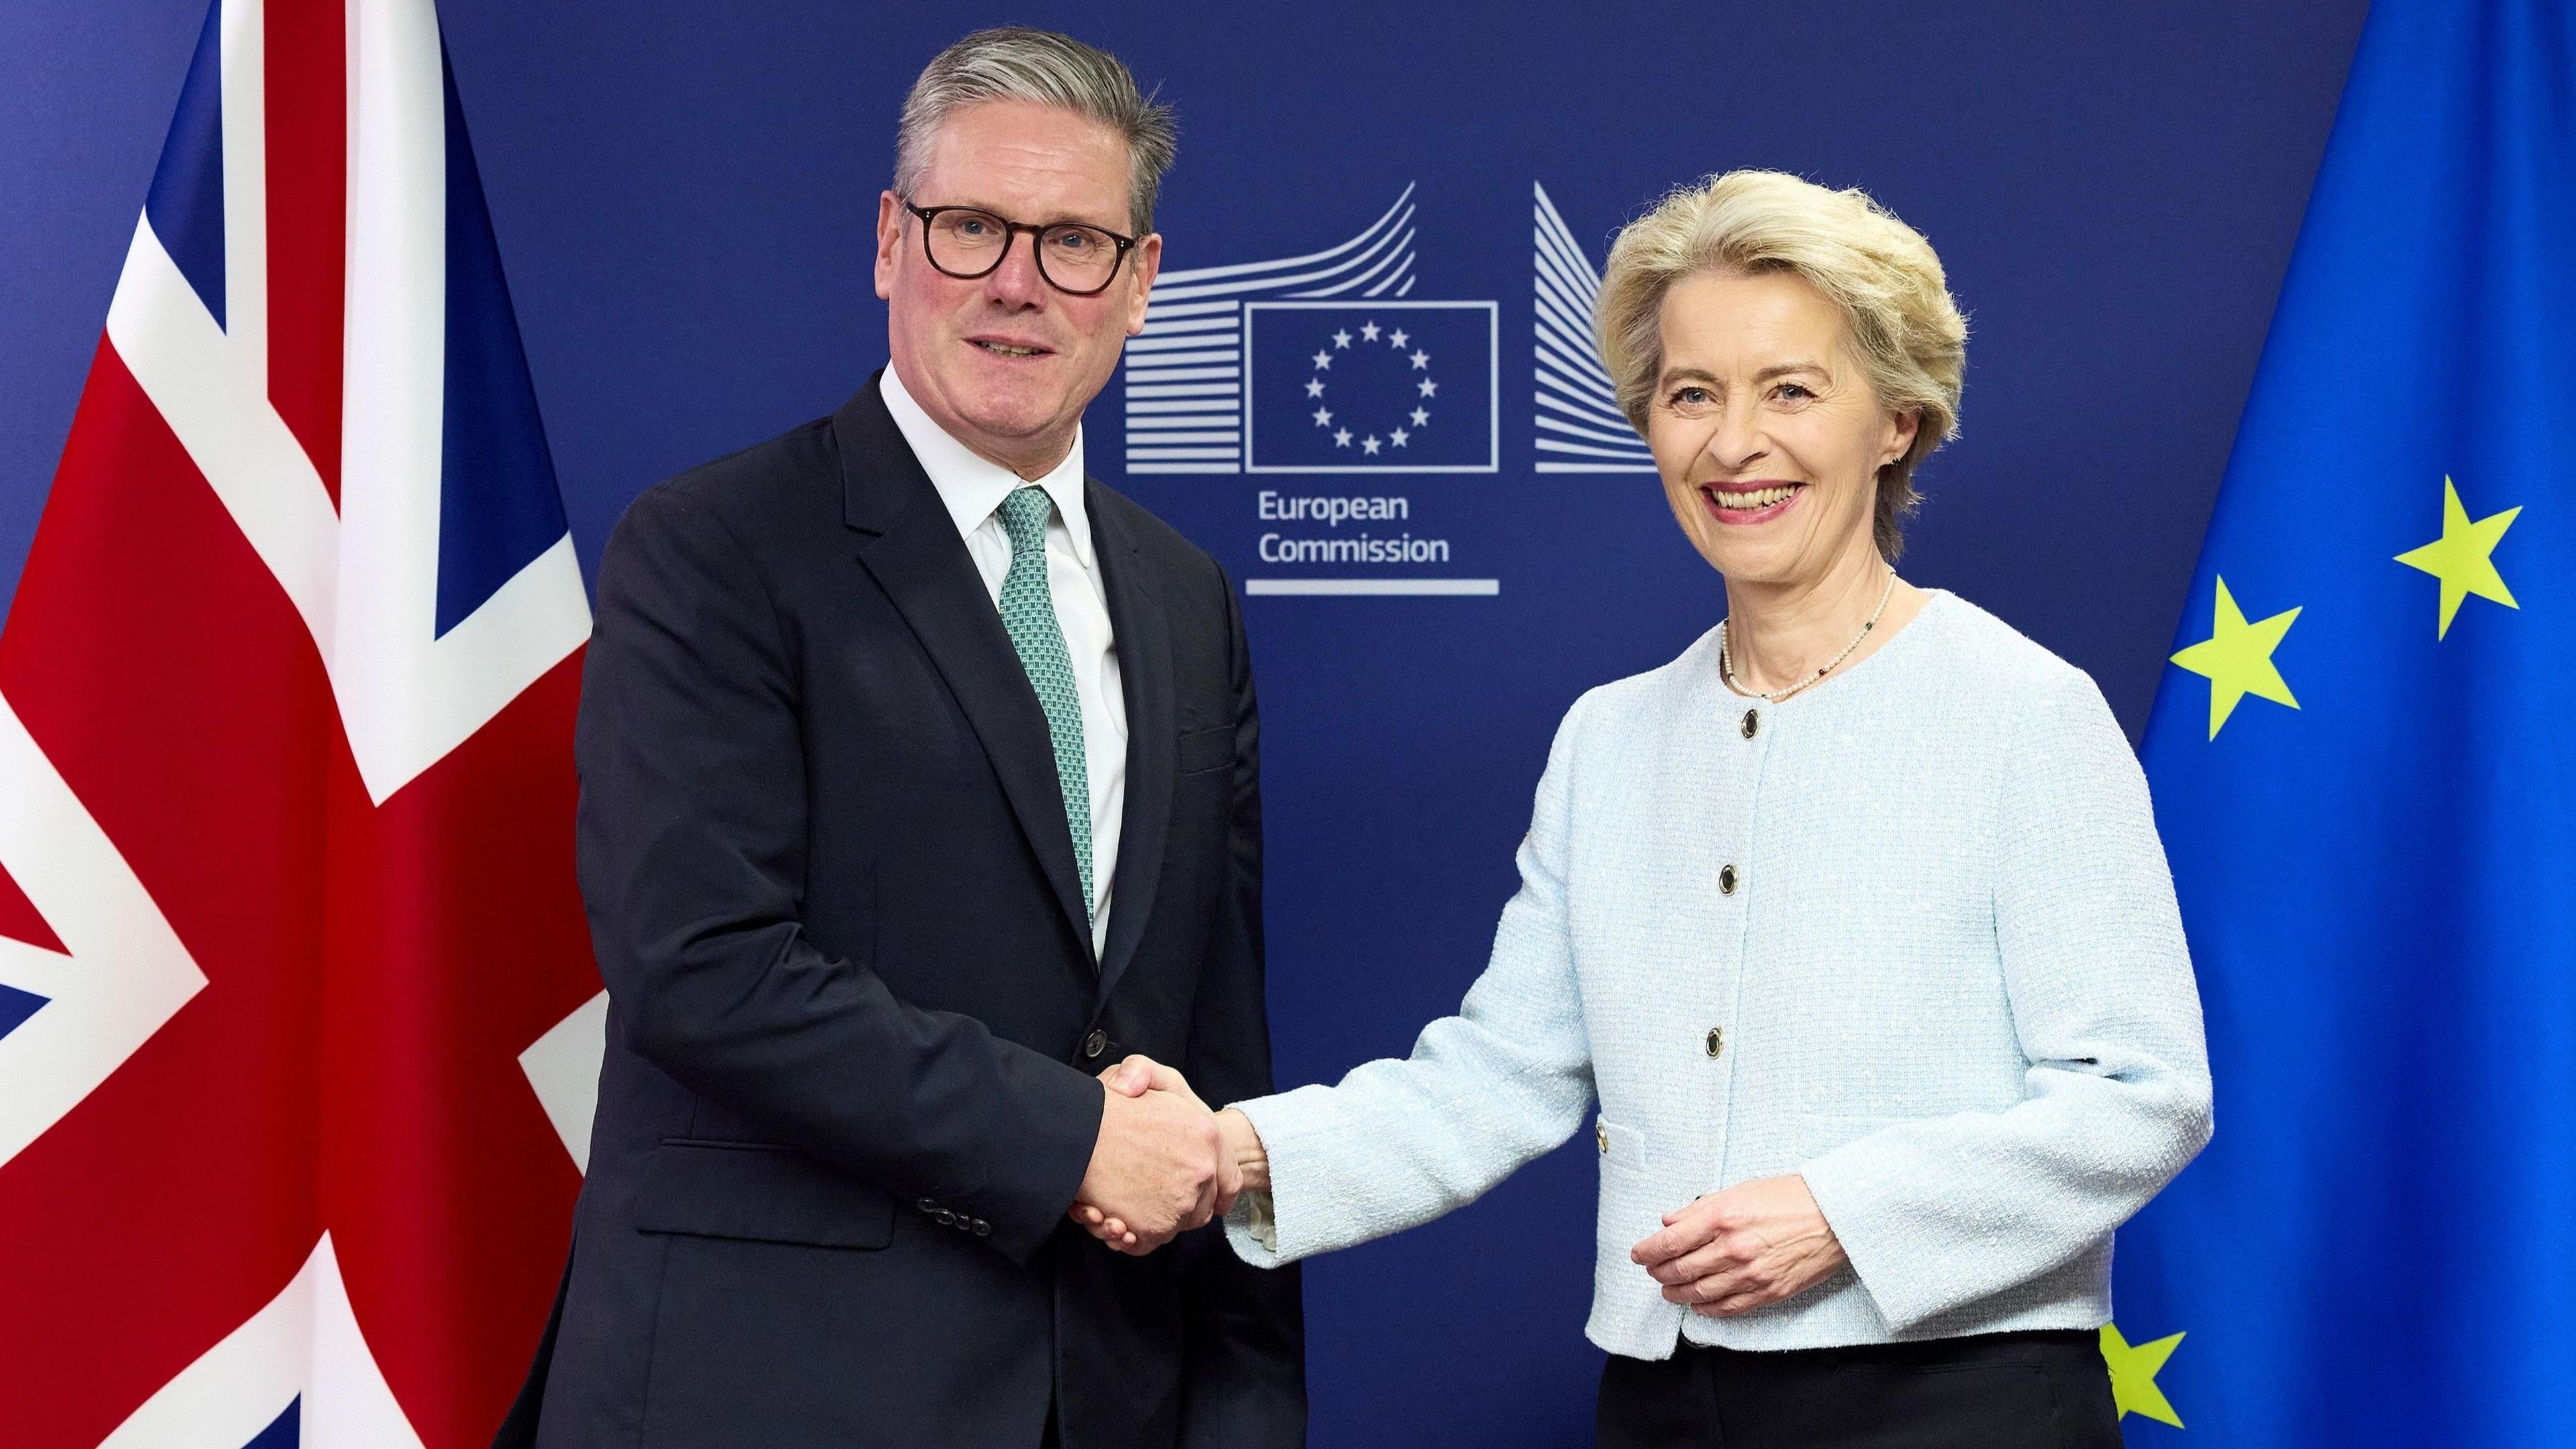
column 1184, row 372
column 1580, row 427
column 1345, row 588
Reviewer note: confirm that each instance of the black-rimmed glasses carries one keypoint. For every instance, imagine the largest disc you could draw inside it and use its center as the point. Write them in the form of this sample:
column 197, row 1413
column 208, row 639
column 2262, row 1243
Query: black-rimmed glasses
column 967, row 242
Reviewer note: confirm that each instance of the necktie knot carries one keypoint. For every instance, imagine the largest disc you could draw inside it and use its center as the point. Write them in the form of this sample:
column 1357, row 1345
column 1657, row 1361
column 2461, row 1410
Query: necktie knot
column 1024, row 518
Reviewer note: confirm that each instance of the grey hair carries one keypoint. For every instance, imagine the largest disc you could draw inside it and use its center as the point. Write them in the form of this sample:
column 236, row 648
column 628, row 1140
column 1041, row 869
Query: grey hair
column 1017, row 63
column 1878, row 272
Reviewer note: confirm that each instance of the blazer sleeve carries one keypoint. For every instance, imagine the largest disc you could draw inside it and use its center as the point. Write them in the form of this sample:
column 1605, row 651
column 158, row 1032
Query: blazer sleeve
column 1938, row 1213
column 1398, row 1143
column 1244, row 1346
column 691, row 846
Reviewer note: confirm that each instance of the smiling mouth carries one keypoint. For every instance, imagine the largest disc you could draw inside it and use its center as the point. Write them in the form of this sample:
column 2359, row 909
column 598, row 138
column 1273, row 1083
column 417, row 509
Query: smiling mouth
column 1006, row 349
column 1749, row 505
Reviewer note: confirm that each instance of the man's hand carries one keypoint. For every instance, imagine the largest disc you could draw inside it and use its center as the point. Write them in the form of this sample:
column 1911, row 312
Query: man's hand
column 1159, row 1168
column 1138, row 1075
column 1752, row 1245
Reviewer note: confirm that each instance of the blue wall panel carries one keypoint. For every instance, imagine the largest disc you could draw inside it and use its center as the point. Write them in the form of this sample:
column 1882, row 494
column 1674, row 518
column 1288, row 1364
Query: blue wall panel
column 683, row 197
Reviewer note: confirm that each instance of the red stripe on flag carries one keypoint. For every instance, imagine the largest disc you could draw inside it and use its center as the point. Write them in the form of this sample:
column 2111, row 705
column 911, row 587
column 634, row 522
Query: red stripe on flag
column 456, row 939
column 308, row 207
column 20, row 920
column 160, row 668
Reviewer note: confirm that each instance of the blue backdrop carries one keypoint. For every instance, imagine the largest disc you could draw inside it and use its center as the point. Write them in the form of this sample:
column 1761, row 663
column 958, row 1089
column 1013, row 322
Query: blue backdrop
column 683, row 197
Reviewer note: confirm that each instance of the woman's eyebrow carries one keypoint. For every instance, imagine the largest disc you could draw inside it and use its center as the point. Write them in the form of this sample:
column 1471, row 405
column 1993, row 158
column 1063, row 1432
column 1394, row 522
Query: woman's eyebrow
column 1783, row 369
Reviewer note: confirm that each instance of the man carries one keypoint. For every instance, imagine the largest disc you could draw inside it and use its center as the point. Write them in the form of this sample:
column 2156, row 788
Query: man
column 919, row 783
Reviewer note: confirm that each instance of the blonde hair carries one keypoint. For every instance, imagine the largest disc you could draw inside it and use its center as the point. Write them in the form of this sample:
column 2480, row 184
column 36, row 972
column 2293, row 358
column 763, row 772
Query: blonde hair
column 1877, row 271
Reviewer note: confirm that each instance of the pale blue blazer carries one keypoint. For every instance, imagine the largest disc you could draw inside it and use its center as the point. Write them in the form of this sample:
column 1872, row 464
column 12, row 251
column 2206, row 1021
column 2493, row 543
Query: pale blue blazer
column 1949, row 987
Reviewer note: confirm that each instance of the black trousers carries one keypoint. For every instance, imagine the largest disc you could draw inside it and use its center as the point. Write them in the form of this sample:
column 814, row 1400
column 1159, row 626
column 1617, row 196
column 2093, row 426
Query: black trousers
column 2040, row 1390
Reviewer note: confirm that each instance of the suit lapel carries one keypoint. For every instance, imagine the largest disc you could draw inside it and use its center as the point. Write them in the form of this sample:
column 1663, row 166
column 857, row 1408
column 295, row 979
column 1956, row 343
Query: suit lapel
column 1145, row 675
column 910, row 546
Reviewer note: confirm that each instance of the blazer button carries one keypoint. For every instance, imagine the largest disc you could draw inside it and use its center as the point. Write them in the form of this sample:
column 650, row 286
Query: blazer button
column 1096, row 1043
column 926, row 1205
column 946, row 1218
column 1601, row 1135
column 1716, row 1040
column 1726, row 881
column 983, row 1229
column 1752, row 723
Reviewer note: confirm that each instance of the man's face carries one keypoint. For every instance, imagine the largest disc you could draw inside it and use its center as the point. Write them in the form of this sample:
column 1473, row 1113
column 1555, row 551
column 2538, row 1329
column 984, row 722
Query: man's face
column 1005, row 362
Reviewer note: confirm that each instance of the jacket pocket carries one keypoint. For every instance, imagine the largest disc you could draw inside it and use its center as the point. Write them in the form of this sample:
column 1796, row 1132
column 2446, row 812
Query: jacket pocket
column 1207, row 749
column 1623, row 1149
column 758, row 1192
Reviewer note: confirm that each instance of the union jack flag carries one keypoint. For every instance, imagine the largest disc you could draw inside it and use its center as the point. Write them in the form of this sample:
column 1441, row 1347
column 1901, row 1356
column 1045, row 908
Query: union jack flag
column 298, row 1020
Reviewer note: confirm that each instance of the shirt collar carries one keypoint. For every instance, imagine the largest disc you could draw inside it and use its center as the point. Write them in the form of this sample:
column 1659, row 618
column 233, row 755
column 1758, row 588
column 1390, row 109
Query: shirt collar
column 972, row 486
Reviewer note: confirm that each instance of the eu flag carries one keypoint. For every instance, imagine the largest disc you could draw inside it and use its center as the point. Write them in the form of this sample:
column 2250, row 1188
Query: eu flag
column 2361, row 761
column 1369, row 387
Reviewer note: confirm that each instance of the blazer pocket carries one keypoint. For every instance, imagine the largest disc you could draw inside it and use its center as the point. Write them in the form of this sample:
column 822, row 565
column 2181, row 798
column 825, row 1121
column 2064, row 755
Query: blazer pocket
column 1623, row 1149
column 1207, row 749
column 758, row 1192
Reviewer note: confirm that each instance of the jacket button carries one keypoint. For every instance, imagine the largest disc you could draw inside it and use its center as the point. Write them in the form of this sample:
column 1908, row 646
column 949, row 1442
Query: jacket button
column 946, row 1218
column 1752, row 723
column 926, row 1205
column 1716, row 1040
column 1096, row 1043
column 983, row 1229
column 1726, row 881
column 1601, row 1135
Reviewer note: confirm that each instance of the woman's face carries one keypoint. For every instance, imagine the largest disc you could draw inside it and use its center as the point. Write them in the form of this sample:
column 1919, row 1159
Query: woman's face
column 1765, row 430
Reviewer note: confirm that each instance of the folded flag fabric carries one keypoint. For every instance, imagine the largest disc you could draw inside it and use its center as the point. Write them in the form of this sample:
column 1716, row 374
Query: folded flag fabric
column 2366, row 780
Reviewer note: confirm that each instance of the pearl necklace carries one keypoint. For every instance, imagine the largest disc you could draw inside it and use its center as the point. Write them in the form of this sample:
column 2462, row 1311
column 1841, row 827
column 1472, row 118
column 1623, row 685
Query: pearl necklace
column 1726, row 665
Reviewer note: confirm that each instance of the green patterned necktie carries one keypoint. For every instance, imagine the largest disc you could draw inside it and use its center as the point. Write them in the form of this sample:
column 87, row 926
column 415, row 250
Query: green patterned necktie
column 1028, row 612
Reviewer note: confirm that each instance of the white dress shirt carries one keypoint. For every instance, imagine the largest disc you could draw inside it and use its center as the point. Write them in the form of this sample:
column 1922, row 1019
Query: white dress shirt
column 973, row 487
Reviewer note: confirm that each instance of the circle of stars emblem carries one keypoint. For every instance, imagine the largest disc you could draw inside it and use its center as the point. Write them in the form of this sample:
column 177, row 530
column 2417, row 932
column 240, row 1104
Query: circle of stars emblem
column 1421, row 391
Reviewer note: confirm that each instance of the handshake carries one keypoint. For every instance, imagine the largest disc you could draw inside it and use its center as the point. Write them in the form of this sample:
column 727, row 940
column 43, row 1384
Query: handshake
column 1164, row 1163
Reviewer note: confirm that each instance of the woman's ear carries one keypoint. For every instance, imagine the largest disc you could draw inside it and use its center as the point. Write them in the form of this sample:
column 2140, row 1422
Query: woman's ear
column 1901, row 428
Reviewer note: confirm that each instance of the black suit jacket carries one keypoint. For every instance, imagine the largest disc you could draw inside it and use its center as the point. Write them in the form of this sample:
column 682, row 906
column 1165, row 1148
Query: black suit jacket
column 854, row 1008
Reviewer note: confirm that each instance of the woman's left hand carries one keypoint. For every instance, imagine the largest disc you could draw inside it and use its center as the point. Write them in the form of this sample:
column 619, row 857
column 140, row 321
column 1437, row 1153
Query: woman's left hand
column 1752, row 1245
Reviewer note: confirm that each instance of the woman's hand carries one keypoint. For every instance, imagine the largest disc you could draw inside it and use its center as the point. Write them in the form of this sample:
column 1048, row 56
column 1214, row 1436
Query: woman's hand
column 1750, row 1246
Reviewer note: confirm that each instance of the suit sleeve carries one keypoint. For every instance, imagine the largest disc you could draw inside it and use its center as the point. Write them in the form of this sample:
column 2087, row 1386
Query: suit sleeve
column 692, row 857
column 1245, row 1366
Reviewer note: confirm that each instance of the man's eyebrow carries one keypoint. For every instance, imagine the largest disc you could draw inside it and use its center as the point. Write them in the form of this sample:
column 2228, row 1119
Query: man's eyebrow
column 1057, row 220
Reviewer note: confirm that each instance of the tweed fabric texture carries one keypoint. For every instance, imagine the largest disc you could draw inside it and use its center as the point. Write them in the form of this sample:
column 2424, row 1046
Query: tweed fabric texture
column 1028, row 613
column 1951, row 982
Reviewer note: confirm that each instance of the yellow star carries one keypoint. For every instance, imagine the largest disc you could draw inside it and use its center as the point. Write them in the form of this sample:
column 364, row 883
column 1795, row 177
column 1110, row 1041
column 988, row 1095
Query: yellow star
column 2462, row 558
column 2237, row 659
column 2133, row 1375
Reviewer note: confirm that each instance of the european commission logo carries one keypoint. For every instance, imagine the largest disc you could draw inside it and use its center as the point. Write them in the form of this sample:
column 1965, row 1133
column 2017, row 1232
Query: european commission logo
column 1327, row 363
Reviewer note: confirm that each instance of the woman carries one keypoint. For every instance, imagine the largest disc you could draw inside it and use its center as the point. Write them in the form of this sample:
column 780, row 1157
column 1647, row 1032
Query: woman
column 1854, row 913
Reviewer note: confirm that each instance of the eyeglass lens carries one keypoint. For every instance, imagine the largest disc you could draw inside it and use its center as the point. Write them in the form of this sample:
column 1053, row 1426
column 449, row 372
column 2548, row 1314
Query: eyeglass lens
column 1075, row 257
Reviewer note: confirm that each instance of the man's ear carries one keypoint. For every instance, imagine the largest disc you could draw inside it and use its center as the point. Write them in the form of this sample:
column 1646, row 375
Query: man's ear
column 1149, row 262
column 890, row 216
